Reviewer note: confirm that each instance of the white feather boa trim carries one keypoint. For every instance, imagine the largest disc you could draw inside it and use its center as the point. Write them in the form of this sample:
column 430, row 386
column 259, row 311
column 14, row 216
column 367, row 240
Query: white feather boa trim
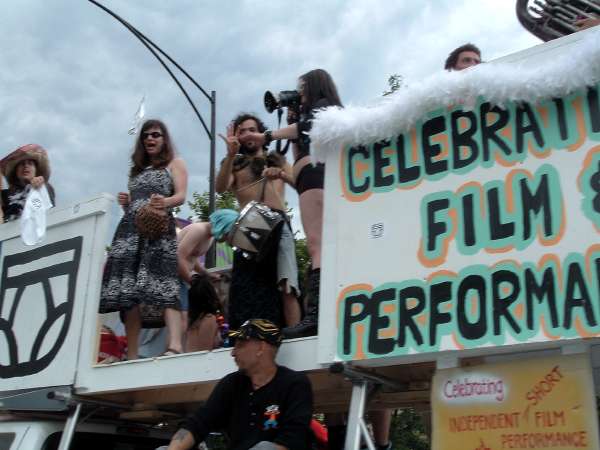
column 498, row 83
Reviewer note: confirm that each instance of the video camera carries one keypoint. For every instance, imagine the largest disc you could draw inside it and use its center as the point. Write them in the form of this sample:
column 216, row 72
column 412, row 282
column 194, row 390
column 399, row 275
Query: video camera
column 285, row 99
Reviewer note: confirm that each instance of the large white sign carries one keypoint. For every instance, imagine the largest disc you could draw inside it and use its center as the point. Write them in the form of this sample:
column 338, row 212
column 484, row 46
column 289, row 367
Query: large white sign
column 476, row 228
column 43, row 293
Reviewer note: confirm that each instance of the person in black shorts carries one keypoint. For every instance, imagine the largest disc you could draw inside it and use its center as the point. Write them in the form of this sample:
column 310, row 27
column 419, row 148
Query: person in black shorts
column 317, row 90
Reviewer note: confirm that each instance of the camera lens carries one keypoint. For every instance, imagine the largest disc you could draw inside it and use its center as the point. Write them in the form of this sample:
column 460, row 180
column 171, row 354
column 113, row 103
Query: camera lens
column 270, row 102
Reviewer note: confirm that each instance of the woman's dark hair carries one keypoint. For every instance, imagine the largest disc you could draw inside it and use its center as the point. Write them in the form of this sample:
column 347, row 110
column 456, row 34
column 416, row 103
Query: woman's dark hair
column 140, row 159
column 318, row 85
column 203, row 298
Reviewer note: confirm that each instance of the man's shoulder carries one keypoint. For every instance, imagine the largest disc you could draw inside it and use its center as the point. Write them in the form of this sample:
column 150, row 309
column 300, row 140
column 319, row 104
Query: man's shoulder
column 290, row 375
column 233, row 378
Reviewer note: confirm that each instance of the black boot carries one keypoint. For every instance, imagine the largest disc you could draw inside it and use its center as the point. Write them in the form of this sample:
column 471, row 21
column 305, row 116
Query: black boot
column 308, row 325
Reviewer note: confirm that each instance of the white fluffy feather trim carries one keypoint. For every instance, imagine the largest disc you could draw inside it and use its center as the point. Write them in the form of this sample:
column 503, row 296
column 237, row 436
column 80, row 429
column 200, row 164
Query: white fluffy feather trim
column 497, row 82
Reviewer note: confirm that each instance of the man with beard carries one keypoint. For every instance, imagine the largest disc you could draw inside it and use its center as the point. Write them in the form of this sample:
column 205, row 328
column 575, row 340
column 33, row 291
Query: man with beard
column 251, row 174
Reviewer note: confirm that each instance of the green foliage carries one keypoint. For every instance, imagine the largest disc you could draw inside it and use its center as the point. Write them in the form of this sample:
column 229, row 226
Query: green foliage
column 199, row 203
column 394, row 83
column 407, row 431
column 303, row 259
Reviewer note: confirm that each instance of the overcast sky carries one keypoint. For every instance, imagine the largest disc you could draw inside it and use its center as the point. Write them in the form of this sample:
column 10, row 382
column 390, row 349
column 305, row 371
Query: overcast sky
column 71, row 77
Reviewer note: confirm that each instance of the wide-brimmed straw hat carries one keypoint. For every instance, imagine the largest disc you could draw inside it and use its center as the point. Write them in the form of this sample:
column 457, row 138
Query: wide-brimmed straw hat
column 36, row 152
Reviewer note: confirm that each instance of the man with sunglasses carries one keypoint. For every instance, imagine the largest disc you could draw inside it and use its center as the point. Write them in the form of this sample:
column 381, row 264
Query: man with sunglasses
column 463, row 57
column 262, row 406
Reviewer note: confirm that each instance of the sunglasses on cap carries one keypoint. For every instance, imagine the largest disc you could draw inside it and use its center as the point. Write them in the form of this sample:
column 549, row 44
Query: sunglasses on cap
column 260, row 329
column 153, row 135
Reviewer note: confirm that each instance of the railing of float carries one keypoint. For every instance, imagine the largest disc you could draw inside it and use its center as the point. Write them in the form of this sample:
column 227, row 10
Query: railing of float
column 44, row 295
column 50, row 323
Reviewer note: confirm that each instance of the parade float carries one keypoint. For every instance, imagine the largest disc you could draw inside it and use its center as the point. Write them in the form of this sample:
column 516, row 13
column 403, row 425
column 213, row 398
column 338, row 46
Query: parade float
column 460, row 274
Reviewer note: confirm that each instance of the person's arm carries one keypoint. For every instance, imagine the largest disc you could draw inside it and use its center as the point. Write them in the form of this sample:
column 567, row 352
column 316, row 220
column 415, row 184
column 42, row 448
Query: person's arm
column 294, row 425
column 224, row 179
column 180, row 179
column 181, row 440
column 194, row 235
column 284, row 173
column 586, row 23
column 180, row 182
column 288, row 174
column 1, row 202
column 210, row 417
column 37, row 182
column 259, row 139
column 123, row 199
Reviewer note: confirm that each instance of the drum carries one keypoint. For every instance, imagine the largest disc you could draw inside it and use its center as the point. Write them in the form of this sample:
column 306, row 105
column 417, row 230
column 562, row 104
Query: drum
column 254, row 231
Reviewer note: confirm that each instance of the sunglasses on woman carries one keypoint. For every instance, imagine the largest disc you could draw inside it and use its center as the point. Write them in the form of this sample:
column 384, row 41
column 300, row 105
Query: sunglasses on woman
column 153, row 135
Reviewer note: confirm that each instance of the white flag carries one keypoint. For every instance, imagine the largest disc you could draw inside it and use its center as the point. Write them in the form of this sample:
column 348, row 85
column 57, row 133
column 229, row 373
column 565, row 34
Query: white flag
column 139, row 115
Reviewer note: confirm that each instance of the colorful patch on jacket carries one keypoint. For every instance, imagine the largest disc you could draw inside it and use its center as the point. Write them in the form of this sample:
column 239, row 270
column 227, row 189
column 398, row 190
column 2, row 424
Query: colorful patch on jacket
column 271, row 412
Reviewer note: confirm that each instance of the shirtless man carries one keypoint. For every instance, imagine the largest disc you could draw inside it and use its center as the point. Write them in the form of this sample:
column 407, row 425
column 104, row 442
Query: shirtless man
column 251, row 174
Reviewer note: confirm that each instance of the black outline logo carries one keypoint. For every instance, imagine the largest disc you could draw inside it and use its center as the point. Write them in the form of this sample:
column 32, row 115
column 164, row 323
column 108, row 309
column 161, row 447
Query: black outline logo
column 42, row 276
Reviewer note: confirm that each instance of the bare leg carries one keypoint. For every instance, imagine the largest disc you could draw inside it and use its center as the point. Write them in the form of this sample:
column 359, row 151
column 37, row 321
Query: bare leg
column 311, row 211
column 201, row 335
column 184, row 327
column 173, row 321
column 291, row 309
column 133, row 325
column 381, row 421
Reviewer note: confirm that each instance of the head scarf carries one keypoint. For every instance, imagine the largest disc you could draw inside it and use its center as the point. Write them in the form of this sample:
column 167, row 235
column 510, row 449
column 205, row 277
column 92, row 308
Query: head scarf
column 261, row 329
column 222, row 222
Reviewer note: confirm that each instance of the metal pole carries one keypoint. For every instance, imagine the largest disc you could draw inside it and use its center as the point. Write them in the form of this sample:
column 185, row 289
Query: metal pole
column 211, row 256
column 69, row 431
column 355, row 415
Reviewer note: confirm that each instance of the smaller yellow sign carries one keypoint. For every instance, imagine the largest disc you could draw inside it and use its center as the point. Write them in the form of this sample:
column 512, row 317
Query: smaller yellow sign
column 541, row 403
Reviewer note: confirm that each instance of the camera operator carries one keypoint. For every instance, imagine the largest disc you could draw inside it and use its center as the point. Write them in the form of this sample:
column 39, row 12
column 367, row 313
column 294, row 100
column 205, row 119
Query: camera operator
column 316, row 90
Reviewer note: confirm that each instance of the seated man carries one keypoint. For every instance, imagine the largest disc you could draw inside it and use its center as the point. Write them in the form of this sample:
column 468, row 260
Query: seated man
column 261, row 406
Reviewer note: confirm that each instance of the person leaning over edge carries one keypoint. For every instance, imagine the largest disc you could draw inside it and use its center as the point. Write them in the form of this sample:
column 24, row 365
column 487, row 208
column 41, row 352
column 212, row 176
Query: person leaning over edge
column 261, row 406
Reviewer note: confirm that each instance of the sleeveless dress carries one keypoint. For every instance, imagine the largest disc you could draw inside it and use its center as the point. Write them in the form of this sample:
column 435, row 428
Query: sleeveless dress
column 142, row 271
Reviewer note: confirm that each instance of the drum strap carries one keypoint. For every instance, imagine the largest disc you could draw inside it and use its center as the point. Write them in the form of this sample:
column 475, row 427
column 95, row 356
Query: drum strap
column 264, row 188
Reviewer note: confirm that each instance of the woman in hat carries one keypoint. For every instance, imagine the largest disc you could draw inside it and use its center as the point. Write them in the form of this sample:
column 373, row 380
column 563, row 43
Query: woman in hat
column 140, row 277
column 25, row 168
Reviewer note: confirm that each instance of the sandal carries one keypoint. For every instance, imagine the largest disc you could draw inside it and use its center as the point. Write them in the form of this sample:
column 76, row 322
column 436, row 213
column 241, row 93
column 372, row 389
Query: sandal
column 170, row 352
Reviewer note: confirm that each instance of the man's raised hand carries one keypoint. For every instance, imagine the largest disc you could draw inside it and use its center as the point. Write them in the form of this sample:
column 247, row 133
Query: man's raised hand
column 231, row 140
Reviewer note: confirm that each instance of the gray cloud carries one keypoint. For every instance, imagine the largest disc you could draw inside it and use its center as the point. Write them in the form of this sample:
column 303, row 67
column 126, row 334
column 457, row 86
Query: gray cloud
column 72, row 77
